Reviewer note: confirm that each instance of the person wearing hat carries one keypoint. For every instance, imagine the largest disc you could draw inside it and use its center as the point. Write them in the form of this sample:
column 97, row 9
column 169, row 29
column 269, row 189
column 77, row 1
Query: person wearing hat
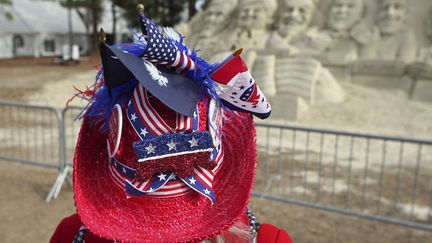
column 167, row 148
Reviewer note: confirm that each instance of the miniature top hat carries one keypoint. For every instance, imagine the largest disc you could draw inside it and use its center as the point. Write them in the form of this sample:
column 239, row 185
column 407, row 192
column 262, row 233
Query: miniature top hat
column 166, row 151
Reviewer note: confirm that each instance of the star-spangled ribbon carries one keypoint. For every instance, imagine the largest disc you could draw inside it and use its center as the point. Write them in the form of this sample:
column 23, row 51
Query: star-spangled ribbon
column 124, row 175
column 215, row 128
column 149, row 125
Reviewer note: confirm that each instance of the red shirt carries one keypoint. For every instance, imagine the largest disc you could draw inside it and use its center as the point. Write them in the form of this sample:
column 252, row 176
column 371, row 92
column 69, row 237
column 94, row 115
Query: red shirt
column 69, row 227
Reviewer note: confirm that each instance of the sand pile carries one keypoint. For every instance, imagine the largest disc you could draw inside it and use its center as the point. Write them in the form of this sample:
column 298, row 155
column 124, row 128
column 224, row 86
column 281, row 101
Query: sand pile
column 365, row 109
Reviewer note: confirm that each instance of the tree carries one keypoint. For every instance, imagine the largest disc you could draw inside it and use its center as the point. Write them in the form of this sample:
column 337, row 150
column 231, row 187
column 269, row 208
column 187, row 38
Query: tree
column 192, row 9
column 90, row 13
column 163, row 12
column 8, row 14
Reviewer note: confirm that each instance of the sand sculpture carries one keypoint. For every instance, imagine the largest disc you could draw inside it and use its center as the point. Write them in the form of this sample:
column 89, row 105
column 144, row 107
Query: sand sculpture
column 293, row 43
column 289, row 52
column 344, row 25
column 293, row 32
column 391, row 40
column 249, row 30
column 208, row 36
column 251, row 22
column 421, row 71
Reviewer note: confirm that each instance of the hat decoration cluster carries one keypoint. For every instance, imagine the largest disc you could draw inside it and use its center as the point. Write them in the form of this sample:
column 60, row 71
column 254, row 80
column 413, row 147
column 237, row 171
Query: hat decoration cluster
column 170, row 161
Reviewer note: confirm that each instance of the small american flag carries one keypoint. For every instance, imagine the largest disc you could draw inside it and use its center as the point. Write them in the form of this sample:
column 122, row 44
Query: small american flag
column 163, row 49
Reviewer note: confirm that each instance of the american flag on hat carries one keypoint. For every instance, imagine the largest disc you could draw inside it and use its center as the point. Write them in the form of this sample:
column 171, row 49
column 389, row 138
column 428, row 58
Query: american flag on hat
column 165, row 49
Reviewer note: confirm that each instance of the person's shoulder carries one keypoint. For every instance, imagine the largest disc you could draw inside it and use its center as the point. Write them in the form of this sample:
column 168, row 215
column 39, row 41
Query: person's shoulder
column 271, row 234
column 67, row 229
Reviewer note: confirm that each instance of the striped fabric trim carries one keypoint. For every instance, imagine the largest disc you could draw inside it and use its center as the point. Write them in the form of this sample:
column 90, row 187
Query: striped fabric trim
column 172, row 188
column 183, row 62
column 147, row 113
column 147, row 124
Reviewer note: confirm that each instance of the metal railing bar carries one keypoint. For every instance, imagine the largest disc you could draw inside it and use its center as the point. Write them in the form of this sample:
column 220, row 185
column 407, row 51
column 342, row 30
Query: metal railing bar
column 425, row 227
column 306, row 164
column 292, row 161
column 417, row 170
column 266, row 167
column 350, row 171
column 399, row 173
column 381, row 176
column 280, row 163
column 24, row 161
column 320, row 167
column 345, row 133
column 365, row 174
column 335, row 162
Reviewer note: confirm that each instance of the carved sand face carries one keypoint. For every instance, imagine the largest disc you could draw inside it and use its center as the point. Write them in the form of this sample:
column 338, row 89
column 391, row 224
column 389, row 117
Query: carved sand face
column 252, row 17
column 392, row 15
column 214, row 17
column 295, row 17
column 344, row 14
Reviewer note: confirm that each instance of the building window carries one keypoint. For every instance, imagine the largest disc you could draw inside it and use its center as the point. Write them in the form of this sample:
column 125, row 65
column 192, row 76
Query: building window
column 49, row 45
column 18, row 41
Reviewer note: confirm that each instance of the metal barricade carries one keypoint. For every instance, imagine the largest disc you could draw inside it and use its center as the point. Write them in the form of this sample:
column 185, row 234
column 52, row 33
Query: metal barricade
column 382, row 178
column 69, row 132
column 31, row 134
column 72, row 126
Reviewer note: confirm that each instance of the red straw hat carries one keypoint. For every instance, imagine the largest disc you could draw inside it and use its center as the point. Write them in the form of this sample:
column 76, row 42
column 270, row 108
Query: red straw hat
column 177, row 162
column 106, row 211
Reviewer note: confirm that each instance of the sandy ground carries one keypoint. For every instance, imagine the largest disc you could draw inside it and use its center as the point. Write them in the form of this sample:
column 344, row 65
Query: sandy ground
column 27, row 218
column 374, row 111
column 40, row 81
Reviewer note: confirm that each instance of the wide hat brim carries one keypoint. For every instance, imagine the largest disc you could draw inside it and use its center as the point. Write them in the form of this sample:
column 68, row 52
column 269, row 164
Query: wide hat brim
column 178, row 93
column 106, row 212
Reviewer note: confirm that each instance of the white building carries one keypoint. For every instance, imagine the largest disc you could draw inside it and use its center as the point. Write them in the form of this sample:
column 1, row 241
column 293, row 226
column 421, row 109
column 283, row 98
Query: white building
column 40, row 28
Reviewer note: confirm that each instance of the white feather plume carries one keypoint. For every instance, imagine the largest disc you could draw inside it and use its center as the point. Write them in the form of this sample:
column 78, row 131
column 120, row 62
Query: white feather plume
column 171, row 33
column 155, row 74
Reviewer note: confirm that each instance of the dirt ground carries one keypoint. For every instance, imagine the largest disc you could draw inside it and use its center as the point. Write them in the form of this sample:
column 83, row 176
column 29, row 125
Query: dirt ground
column 25, row 217
column 22, row 79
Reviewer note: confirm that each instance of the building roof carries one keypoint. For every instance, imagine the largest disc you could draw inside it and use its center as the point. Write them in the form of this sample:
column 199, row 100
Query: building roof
column 37, row 16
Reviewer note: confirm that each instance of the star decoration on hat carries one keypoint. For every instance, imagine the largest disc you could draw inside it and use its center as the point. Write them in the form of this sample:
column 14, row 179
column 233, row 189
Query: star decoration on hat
column 144, row 132
column 162, row 176
column 193, row 142
column 150, row 149
column 192, row 181
column 171, row 145
column 133, row 117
